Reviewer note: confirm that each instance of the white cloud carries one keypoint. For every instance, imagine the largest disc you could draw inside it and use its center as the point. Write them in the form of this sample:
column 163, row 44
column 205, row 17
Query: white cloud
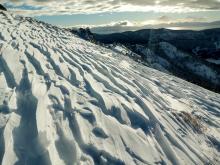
column 169, row 20
column 50, row 7
column 195, row 23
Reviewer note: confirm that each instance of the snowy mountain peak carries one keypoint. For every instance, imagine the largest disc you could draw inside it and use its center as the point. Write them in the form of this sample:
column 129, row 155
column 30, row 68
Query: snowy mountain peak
column 67, row 101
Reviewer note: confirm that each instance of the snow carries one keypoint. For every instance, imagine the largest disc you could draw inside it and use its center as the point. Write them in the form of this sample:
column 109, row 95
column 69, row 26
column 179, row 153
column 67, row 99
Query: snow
column 214, row 61
column 172, row 51
column 153, row 60
column 64, row 100
column 194, row 66
column 124, row 64
column 217, row 45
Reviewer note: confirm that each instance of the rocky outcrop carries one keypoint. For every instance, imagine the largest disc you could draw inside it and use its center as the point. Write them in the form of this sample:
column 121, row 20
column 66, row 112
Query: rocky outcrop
column 2, row 7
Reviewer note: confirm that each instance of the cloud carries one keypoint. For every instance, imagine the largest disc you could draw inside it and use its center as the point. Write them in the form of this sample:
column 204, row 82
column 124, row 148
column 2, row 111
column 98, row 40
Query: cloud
column 111, row 27
column 121, row 23
column 193, row 23
column 170, row 20
column 51, row 7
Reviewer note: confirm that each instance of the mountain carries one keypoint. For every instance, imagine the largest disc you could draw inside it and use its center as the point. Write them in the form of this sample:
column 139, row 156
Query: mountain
column 64, row 100
column 190, row 55
column 124, row 26
column 2, row 7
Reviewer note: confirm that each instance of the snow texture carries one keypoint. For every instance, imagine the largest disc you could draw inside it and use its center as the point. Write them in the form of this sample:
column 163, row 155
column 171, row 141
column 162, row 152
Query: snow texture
column 64, row 100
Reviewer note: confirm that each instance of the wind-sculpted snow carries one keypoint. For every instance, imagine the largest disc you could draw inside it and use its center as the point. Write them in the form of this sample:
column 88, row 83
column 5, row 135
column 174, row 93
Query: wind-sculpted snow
column 67, row 101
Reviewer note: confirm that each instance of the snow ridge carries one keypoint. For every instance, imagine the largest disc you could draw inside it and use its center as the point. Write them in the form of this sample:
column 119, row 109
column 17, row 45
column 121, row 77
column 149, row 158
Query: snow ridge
column 67, row 101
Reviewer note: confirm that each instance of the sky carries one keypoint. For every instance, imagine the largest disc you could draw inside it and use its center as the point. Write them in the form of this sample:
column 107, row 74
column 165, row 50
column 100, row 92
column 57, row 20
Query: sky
column 106, row 16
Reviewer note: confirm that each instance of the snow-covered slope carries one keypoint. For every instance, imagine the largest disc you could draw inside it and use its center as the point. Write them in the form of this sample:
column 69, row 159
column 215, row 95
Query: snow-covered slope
column 67, row 101
column 191, row 55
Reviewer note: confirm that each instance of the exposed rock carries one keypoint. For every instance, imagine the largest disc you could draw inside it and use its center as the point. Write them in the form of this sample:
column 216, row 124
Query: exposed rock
column 2, row 7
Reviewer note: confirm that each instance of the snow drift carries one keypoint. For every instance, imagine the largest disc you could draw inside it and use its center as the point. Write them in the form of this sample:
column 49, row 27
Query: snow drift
column 67, row 101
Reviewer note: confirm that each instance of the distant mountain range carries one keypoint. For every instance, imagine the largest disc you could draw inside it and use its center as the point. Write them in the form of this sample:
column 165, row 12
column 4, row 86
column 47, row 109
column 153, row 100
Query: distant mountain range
column 124, row 26
column 191, row 55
